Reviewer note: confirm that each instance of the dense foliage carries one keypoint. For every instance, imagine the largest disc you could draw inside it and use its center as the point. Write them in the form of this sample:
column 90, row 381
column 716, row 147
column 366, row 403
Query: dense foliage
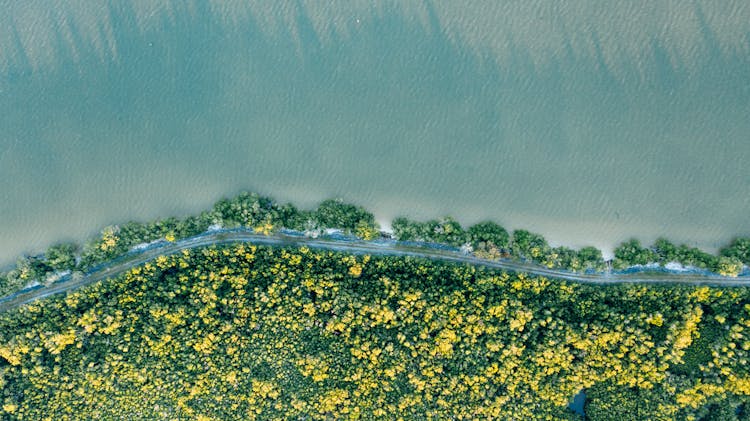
column 445, row 231
column 251, row 211
column 247, row 210
column 246, row 332
column 352, row 219
column 728, row 263
column 738, row 249
column 490, row 240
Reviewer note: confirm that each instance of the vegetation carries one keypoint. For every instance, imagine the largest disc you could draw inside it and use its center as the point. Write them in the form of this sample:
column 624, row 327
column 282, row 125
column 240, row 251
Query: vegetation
column 728, row 263
column 489, row 237
column 247, row 210
column 632, row 253
column 738, row 249
column 490, row 240
column 530, row 245
column 246, row 332
column 445, row 231
column 352, row 219
column 262, row 214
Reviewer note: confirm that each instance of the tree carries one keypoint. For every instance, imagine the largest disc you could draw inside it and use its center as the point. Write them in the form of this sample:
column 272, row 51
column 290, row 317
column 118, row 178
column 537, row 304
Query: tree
column 32, row 267
column 447, row 231
column 246, row 210
column 723, row 411
column 567, row 258
column 691, row 256
column 334, row 213
column 632, row 253
column 485, row 235
column 739, row 248
column 610, row 401
column 62, row 257
column 407, row 230
column 529, row 245
column 192, row 225
column 666, row 251
column 729, row 266
column 293, row 218
column 591, row 257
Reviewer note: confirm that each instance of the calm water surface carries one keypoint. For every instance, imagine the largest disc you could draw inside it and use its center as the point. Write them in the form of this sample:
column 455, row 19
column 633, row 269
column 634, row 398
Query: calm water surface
column 589, row 123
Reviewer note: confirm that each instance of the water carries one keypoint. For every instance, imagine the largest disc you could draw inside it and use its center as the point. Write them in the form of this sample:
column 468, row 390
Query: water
column 578, row 403
column 589, row 123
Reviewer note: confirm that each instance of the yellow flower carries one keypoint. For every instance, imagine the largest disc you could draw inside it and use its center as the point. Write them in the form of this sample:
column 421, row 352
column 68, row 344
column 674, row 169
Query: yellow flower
column 656, row 319
column 355, row 270
column 109, row 239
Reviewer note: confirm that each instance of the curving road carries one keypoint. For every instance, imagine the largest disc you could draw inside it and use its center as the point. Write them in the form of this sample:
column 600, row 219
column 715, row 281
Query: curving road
column 136, row 258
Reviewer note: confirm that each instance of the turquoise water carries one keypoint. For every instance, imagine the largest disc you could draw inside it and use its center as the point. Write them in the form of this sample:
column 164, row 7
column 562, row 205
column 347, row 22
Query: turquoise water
column 588, row 123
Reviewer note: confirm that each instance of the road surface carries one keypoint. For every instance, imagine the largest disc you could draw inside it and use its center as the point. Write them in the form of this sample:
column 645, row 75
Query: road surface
column 139, row 257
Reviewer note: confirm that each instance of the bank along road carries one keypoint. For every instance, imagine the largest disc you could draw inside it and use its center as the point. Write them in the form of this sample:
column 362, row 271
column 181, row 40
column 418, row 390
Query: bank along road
column 390, row 248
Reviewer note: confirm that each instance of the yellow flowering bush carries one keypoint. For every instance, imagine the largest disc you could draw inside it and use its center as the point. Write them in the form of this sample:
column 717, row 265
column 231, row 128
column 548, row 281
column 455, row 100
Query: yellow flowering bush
column 248, row 332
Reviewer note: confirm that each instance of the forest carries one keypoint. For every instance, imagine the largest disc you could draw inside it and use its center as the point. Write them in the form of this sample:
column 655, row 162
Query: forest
column 486, row 239
column 251, row 332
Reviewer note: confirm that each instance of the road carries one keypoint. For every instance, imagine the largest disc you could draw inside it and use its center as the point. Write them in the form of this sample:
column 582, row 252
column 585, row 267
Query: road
column 136, row 258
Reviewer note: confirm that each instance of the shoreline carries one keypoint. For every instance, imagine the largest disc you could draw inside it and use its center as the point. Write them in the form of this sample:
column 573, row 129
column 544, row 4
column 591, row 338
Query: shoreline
column 486, row 240
column 346, row 244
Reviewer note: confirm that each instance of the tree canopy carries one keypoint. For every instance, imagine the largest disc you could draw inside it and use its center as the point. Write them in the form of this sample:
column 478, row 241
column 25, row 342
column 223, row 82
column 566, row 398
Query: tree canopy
column 249, row 332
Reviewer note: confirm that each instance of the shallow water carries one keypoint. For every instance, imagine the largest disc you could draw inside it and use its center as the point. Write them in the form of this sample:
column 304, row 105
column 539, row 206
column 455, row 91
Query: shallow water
column 589, row 123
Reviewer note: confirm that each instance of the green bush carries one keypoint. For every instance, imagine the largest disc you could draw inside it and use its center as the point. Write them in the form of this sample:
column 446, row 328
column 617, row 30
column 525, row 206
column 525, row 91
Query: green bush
column 62, row 257
column 446, row 231
column 665, row 250
column 632, row 253
column 251, row 332
column 738, row 248
column 488, row 234
column 350, row 218
column 591, row 258
column 529, row 245
column 405, row 229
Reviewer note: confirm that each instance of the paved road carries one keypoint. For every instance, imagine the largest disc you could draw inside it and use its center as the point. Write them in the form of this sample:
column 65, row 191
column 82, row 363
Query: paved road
column 137, row 258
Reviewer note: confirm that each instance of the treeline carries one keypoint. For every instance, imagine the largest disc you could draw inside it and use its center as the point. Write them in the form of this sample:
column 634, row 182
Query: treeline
column 247, row 210
column 729, row 262
column 490, row 240
column 263, row 214
column 252, row 332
